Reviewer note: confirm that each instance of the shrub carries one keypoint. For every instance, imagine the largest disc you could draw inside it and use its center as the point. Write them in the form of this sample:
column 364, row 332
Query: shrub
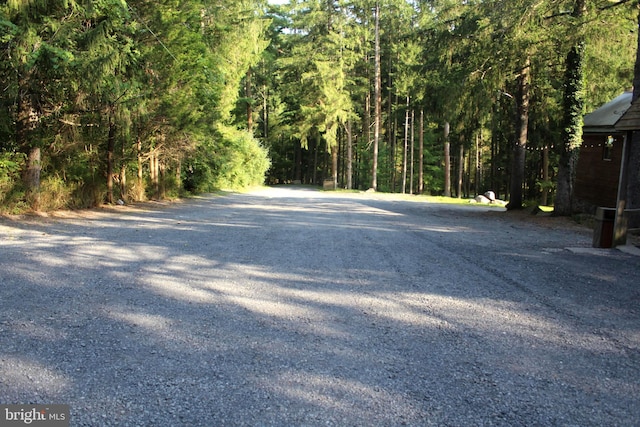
column 12, row 192
column 55, row 194
column 235, row 160
column 241, row 161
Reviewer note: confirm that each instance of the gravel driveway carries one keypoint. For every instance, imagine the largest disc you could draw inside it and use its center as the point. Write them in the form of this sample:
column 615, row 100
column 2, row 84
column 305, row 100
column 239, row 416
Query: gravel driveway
column 294, row 307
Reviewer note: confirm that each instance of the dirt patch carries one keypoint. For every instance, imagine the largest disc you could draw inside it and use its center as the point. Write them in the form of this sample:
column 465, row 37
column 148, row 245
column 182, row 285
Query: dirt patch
column 92, row 213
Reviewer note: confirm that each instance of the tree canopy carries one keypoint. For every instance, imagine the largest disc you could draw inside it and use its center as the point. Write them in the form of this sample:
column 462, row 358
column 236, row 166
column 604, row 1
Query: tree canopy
column 125, row 100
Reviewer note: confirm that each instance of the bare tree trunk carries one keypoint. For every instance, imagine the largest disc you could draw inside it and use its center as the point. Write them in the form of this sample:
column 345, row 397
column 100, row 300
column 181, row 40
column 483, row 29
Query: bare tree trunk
column 413, row 140
column 162, row 180
column 154, row 172
column 265, row 113
column 520, row 144
column 545, row 175
column 447, row 161
column 467, row 186
column 111, row 143
column 297, row 172
column 404, row 150
column 123, row 175
column 393, row 152
column 460, row 169
column 421, row 154
column 366, row 125
column 31, row 177
column 249, row 96
column 27, row 121
column 179, row 175
column 316, row 149
column 378, row 100
column 140, row 195
column 478, row 177
column 334, row 165
column 123, row 182
column 392, row 125
column 349, row 156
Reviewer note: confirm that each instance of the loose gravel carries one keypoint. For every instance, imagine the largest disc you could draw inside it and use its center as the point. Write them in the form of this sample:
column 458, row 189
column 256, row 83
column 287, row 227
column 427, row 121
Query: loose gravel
column 293, row 307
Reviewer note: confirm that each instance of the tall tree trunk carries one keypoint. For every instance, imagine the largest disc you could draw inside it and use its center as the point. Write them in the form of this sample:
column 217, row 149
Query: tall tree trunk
column 571, row 130
column 123, row 182
column 249, row 96
column 366, row 131
column 154, row 172
column 111, row 144
column 467, row 186
column 349, row 155
column 392, row 131
column 392, row 125
column 378, row 100
column 140, row 192
column 520, row 145
column 162, row 181
column 31, row 177
column 478, row 177
column 421, row 154
column 178, row 175
column 123, row 175
column 334, row 165
column 265, row 113
column 460, row 169
column 493, row 179
column 545, row 175
column 404, row 149
column 447, row 161
column 572, row 121
column 297, row 172
column 27, row 121
column 316, row 150
column 411, row 157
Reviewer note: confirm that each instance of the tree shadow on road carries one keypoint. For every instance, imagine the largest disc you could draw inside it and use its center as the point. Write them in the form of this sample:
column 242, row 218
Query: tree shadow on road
column 292, row 309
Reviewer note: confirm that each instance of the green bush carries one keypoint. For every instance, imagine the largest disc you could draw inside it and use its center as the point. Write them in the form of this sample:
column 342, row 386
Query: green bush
column 12, row 192
column 197, row 176
column 235, row 160
column 55, row 194
column 241, row 161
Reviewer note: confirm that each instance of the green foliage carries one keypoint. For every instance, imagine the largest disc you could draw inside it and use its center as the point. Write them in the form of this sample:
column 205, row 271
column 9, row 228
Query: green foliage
column 240, row 161
column 55, row 194
column 233, row 160
column 198, row 176
column 98, row 85
column 102, row 84
column 11, row 190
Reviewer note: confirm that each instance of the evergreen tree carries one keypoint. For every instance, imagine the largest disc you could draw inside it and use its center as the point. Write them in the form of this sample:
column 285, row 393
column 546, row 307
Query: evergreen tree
column 38, row 42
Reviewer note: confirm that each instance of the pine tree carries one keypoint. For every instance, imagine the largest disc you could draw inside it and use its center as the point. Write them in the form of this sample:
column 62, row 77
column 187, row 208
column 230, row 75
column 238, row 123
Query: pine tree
column 36, row 58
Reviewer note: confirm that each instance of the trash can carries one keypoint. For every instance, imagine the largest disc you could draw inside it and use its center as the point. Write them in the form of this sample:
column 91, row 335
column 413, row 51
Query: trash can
column 603, row 233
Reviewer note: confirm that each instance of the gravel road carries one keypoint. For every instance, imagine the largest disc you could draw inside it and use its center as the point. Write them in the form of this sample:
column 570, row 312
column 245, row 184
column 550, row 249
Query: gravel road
column 294, row 307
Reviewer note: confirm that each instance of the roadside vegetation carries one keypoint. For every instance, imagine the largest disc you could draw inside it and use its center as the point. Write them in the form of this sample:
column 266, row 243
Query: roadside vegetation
column 113, row 101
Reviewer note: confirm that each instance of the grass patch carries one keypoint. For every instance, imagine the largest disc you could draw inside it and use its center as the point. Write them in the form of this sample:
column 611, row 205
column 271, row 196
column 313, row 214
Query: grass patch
column 445, row 200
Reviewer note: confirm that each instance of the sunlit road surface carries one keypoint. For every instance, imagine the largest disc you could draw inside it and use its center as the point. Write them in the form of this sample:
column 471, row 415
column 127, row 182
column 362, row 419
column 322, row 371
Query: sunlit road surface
column 293, row 307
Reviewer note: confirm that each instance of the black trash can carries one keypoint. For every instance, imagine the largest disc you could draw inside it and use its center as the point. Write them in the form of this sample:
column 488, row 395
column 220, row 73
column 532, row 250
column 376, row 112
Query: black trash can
column 603, row 233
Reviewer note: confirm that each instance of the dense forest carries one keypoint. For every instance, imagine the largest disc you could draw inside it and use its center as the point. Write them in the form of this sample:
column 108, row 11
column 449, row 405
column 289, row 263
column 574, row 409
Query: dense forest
column 112, row 100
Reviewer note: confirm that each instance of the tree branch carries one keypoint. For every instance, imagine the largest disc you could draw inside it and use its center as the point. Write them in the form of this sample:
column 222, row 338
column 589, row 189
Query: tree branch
column 612, row 5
